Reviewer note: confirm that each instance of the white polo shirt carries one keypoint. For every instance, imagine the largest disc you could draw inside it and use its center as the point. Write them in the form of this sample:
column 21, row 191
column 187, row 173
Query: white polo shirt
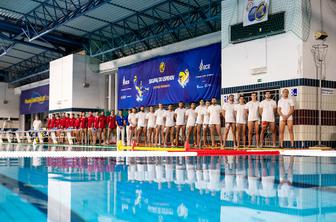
column 214, row 114
column 206, row 117
column 37, row 124
column 200, row 110
column 151, row 120
column 180, row 116
column 240, row 116
column 141, row 116
column 159, row 114
column 285, row 105
column 229, row 114
column 253, row 110
column 132, row 119
column 169, row 115
column 268, row 107
column 191, row 114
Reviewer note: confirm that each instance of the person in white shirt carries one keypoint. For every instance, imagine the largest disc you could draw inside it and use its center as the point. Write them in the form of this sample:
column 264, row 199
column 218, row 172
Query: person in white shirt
column 206, row 127
column 180, row 123
column 191, row 121
column 141, row 120
column 170, row 123
column 214, row 111
column 230, row 119
column 285, row 111
column 252, row 112
column 133, row 125
column 240, row 114
column 267, row 109
column 200, row 110
column 150, row 122
column 37, row 124
column 159, row 114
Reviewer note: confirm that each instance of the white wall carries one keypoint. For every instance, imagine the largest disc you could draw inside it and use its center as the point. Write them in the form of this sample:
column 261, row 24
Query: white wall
column 67, row 76
column 279, row 55
column 329, row 26
column 12, row 108
column 94, row 95
column 61, row 81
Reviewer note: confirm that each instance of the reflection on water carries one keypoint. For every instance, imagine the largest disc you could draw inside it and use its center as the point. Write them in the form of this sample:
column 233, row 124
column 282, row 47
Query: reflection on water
column 226, row 188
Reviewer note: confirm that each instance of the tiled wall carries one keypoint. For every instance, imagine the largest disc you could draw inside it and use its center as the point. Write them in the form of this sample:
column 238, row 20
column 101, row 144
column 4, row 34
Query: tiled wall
column 306, row 108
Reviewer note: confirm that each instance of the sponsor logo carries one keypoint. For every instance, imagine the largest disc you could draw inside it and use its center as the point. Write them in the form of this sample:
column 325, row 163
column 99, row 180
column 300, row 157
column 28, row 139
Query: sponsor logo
column 141, row 90
column 257, row 12
column 162, row 67
column 184, row 78
column 203, row 66
column 36, row 98
column 125, row 82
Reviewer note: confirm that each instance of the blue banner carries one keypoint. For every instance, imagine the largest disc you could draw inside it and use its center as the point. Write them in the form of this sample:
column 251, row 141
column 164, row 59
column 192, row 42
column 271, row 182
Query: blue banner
column 35, row 100
column 187, row 76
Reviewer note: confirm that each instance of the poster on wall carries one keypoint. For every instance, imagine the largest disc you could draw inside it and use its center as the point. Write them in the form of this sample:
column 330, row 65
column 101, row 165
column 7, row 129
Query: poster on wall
column 35, row 100
column 255, row 11
column 185, row 76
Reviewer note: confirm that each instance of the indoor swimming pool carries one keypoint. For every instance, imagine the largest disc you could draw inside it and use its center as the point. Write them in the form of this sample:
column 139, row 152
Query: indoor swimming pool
column 196, row 188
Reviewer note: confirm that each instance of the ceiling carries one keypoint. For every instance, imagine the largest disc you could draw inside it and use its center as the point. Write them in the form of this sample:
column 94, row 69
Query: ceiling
column 35, row 32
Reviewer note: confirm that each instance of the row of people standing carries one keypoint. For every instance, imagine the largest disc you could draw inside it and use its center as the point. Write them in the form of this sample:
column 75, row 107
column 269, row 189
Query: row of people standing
column 163, row 127
column 87, row 128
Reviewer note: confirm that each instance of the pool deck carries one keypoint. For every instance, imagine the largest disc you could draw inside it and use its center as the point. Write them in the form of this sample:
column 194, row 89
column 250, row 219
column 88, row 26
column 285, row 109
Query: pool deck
column 29, row 150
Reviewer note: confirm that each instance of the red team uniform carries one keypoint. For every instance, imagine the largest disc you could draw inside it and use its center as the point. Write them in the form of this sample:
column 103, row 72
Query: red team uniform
column 91, row 120
column 102, row 122
column 111, row 121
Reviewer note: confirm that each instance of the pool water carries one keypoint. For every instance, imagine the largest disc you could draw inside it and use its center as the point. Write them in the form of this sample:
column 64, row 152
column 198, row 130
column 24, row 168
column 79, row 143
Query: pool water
column 225, row 188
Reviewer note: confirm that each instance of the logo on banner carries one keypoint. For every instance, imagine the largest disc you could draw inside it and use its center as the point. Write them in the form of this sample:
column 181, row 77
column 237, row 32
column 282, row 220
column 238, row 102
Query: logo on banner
column 162, row 67
column 141, row 90
column 36, row 98
column 183, row 78
column 125, row 82
column 203, row 67
column 256, row 11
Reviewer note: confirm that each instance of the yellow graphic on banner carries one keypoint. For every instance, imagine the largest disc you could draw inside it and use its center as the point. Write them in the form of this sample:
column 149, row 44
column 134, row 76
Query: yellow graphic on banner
column 183, row 78
column 39, row 99
column 162, row 67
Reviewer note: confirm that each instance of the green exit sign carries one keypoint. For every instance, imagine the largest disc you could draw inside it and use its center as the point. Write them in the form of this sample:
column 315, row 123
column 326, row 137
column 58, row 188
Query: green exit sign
column 259, row 80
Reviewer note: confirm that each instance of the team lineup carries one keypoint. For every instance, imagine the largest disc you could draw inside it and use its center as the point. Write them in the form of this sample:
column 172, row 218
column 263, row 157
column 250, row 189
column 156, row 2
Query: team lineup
column 193, row 125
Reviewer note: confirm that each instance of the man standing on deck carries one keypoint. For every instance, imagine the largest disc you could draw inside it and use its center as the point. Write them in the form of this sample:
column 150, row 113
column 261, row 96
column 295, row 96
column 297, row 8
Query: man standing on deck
column 267, row 109
column 90, row 126
column 120, row 127
column 285, row 111
column 230, row 119
column 214, row 111
column 253, row 120
column 180, row 123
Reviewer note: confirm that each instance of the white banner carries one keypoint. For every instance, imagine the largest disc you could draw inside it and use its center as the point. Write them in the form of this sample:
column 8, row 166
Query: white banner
column 255, row 11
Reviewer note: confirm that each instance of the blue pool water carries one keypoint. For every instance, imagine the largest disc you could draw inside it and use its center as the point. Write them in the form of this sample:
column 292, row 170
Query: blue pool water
column 234, row 188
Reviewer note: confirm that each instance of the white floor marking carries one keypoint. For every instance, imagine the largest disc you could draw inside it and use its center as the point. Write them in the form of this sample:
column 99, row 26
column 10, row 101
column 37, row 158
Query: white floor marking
column 69, row 154
column 329, row 153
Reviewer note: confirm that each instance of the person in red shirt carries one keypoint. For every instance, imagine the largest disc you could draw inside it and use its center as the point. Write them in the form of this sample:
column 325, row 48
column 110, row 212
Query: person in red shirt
column 95, row 127
column 91, row 120
column 102, row 127
column 77, row 127
column 67, row 121
column 49, row 122
column 111, row 122
column 83, row 128
column 53, row 121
